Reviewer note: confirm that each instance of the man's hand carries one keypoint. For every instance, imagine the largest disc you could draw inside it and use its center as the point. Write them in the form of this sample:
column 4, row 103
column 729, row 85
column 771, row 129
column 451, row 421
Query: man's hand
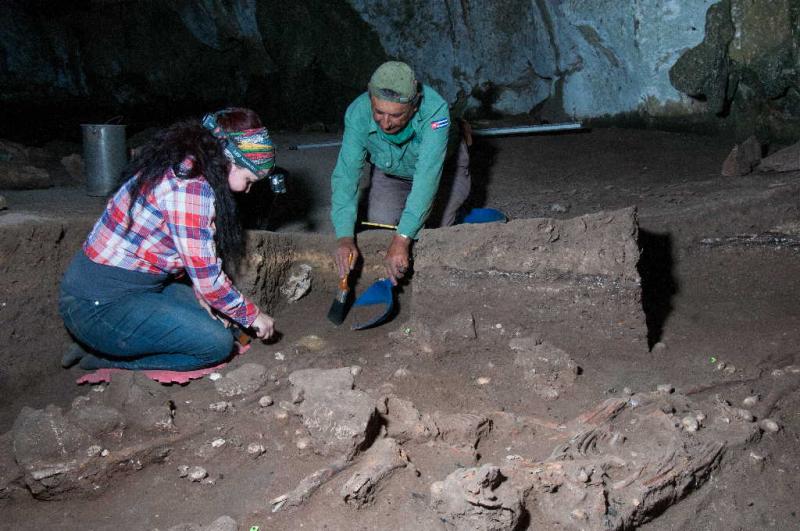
column 263, row 326
column 397, row 258
column 346, row 255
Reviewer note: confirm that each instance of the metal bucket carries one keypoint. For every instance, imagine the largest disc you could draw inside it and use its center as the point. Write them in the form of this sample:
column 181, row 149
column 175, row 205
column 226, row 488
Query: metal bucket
column 104, row 156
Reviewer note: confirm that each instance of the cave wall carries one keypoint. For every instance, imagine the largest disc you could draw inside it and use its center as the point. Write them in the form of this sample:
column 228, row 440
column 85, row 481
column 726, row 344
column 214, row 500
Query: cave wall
column 157, row 61
column 730, row 65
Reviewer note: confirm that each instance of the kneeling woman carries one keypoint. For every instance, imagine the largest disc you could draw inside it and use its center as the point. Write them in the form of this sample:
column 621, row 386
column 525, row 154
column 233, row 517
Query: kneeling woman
column 151, row 287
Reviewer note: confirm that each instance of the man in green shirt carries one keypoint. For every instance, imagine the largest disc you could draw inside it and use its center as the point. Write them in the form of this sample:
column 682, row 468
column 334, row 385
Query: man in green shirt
column 404, row 127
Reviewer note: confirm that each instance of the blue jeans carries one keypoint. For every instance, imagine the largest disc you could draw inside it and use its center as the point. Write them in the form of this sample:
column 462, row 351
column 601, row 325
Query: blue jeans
column 148, row 330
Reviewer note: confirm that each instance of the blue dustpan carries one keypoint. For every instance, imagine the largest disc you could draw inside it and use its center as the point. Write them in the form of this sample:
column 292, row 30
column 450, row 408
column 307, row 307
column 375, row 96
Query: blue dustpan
column 484, row 215
column 380, row 293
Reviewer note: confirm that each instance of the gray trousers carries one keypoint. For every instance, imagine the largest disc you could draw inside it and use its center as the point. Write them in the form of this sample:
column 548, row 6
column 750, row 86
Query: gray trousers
column 387, row 194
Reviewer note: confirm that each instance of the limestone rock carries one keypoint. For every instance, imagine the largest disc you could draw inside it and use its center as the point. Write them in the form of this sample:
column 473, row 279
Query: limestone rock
column 463, row 430
column 14, row 152
column 549, row 369
column 74, row 166
column 42, row 435
column 703, row 70
column 16, row 176
column 298, row 283
column 478, row 499
column 340, row 419
column 97, row 420
column 405, row 423
column 377, row 464
column 245, row 380
column 144, row 403
column 787, row 159
column 743, row 158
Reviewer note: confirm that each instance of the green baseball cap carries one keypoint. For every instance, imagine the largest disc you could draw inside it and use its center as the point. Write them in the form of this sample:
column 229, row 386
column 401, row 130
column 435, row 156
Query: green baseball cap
column 394, row 81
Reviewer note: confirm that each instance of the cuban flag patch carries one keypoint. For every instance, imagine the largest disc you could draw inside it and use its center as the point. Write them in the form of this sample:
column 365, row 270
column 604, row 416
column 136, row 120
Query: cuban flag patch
column 438, row 124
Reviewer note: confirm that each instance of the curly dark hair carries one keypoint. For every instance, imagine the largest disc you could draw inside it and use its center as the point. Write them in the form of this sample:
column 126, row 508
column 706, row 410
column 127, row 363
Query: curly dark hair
column 170, row 146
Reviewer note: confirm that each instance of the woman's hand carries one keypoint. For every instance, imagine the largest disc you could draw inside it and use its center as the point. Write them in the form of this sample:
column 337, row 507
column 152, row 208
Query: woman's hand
column 263, row 326
column 397, row 258
column 345, row 256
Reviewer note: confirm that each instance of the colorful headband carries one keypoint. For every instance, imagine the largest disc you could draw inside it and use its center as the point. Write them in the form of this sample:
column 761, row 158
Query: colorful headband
column 251, row 148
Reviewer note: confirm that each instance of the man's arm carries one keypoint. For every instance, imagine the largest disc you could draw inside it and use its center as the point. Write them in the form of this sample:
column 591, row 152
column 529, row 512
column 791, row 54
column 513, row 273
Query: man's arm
column 347, row 172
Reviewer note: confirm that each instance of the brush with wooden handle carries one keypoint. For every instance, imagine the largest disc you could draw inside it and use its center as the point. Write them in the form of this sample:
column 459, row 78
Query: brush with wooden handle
column 338, row 309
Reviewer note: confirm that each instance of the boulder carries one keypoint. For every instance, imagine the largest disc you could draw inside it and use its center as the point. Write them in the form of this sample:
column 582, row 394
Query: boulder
column 20, row 176
column 340, row 419
column 742, row 158
column 245, row 380
column 377, row 464
column 787, row 159
column 479, row 499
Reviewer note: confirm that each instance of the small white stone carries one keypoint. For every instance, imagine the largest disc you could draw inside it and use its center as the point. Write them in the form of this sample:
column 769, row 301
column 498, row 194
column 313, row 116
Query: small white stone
column 255, row 449
column 627, row 390
column 197, row 473
column 721, row 365
column 355, row 370
column 498, row 326
column 281, row 414
column 758, row 458
column 105, row 452
column 279, row 356
column 183, row 470
column 582, row 476
column 700, row 416
column 745, row 415
column 99, row 388
column 777, row 373
column 94, row 450
column 769, row 425
column 401, row 372
column 513, row 457
column 730, row 370
column 665, row 388
column 302, row 443
column 219, row 407
column 216, row 443
column 214, row 376
column 659, row 347
column 483, row 380
column 265, row 401
column 690, row 424
column 750, row 401
column 793, row 369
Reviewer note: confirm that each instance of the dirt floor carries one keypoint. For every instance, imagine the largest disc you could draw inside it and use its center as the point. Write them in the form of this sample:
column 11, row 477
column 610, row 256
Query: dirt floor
column 720, row 275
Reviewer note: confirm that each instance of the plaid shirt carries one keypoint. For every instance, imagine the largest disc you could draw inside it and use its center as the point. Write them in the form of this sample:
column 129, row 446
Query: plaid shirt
column 171, row 231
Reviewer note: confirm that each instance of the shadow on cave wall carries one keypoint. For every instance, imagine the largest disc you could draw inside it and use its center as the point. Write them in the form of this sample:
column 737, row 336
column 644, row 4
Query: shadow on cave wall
column 659, row 284
column 86, row 62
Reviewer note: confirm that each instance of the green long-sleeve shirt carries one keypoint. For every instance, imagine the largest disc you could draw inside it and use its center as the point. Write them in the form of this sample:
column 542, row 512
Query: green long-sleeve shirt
column 419, row 159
